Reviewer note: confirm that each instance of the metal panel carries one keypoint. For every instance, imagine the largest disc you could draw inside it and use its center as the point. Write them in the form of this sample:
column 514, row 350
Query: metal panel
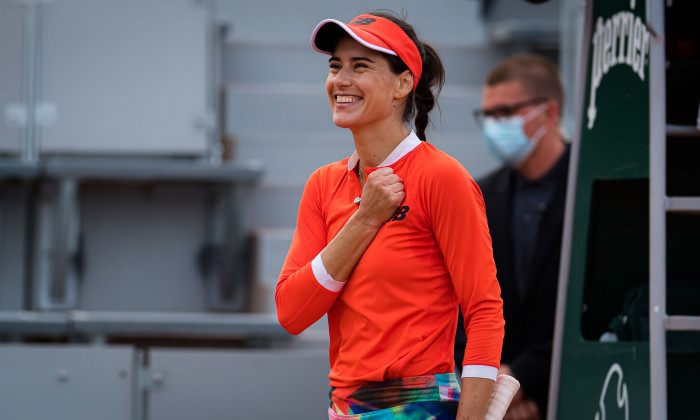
column 244, row 384
column 125, row 77
column 65, row 382
column 11, row 20
column 141, row 247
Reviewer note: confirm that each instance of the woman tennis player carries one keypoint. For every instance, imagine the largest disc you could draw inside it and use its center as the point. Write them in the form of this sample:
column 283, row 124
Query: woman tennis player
column 391, row 240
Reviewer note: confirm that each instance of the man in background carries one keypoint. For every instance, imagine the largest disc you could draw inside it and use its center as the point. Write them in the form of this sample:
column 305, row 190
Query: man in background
column 520, row 117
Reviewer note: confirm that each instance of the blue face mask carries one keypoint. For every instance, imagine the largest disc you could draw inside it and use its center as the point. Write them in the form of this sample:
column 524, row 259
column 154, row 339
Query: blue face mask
column 506, row 139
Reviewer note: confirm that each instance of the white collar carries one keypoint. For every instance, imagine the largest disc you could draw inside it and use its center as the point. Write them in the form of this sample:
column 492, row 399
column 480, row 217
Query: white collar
column 409, row 143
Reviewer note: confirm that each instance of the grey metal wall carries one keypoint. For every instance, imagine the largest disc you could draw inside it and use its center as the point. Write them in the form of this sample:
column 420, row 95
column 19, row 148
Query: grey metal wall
column 79, row 382
column 66, row 382
column 244, row 384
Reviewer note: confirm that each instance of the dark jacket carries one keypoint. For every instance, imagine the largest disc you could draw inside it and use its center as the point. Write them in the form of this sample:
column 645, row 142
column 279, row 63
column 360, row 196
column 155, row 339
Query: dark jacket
column 527, row 346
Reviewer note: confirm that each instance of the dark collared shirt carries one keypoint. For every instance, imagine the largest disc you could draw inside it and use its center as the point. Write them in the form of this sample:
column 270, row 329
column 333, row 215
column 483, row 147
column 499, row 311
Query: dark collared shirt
column 531, row 198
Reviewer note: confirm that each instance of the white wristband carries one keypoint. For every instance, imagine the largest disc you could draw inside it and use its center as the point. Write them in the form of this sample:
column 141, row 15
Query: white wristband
column 323, row 277
column 479, row 371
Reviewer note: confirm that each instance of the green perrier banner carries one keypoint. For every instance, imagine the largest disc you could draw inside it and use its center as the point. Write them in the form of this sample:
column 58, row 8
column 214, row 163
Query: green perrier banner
column 600, row 378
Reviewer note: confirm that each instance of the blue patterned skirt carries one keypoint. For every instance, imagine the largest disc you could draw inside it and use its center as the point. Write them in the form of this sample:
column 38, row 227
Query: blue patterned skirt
column 415, row 398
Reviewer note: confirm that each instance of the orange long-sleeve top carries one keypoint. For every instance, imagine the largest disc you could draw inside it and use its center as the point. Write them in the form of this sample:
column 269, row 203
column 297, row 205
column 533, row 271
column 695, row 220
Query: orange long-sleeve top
column 397, row 313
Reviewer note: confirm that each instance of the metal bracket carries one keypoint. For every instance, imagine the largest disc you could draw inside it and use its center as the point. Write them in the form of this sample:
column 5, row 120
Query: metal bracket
column 206, row 121
column 59, row 252
column 45, row 115
column 150, row 379
column 146, row 379
column 15, row 116
column 225, row 270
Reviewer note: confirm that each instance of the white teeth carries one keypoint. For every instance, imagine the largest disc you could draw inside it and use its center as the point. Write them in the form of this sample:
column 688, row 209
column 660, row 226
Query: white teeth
column 346, row 99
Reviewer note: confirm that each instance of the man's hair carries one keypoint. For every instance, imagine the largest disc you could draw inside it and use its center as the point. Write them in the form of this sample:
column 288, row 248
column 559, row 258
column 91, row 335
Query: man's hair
column 538, row 75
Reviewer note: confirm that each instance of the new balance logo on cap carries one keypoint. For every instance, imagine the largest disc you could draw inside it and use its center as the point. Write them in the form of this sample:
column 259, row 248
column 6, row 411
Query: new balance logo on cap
column 363, row 21
column 374, row 32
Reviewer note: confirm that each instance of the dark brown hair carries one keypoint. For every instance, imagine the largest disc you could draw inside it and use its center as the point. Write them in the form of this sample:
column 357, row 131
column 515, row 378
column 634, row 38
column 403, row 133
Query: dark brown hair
column 424, row 98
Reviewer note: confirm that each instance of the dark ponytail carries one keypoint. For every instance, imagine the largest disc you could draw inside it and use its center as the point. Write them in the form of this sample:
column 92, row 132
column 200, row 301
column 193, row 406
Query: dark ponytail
column 424, row 98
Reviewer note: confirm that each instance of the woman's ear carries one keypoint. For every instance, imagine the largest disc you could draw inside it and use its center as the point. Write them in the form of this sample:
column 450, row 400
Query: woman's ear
column 405, row 85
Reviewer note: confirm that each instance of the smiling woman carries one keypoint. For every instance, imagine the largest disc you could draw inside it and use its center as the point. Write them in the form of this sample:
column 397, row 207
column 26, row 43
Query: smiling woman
column 363, row 92
column 391, row 268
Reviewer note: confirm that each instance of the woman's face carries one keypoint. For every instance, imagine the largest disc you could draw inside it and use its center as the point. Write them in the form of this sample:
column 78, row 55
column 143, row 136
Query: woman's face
column 362, row 89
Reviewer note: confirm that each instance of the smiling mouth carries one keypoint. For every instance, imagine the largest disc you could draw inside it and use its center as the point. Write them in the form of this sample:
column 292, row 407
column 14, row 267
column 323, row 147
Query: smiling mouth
column 347, row 99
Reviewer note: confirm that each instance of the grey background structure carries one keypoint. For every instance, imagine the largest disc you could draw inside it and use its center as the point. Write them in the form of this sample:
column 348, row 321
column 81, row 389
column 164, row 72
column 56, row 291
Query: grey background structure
column 142, row 232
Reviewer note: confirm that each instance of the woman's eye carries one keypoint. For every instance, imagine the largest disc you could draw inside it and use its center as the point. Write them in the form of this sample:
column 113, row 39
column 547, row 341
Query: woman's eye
column 360, row 66
column 335, row 66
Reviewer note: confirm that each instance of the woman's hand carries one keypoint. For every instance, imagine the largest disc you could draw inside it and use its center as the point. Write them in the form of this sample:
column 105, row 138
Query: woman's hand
column 381, row 195
column 521, row 407
column 474, row 398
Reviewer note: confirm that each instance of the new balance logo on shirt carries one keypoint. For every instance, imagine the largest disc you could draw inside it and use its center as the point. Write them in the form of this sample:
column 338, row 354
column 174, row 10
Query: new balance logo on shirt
column 399, row 214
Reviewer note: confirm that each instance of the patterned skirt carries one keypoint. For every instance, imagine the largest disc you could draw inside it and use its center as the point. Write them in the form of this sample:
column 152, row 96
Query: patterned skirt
column 415, row 398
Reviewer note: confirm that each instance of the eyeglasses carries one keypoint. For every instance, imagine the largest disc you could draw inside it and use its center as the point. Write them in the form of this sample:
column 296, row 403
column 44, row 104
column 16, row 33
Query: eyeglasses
column 505, row 111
